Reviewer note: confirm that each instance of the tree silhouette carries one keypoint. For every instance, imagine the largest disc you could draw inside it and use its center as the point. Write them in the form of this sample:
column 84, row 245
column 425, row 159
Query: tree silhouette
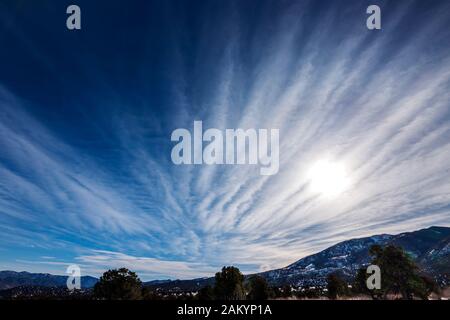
column 258, row 288
column 118, row 284
column 399, row 273
column 336, row 286
column 229, row 284
column 206, row 293
column 286, row 291
column 149, row 294
column 359, row 284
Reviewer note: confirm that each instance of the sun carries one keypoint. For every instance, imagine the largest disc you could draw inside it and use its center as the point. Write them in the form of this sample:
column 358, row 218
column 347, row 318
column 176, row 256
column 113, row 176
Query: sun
column 328, row 178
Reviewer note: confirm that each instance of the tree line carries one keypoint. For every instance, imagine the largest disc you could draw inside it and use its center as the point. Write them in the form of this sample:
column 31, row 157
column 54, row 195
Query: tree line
column 400, row 279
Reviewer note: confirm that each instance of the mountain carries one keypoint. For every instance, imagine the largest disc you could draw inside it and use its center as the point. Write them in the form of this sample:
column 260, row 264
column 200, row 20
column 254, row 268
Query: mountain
column 180, row 285
column 430, row 249
column 12, row 279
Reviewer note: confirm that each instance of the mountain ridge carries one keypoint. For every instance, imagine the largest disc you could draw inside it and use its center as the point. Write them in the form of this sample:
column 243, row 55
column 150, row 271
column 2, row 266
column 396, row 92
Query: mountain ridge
column 348, row 256
column 429, row 247
column 10, row 279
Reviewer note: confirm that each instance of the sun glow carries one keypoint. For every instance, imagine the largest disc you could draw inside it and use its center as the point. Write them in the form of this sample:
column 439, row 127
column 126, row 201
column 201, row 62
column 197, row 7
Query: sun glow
column 328, row 178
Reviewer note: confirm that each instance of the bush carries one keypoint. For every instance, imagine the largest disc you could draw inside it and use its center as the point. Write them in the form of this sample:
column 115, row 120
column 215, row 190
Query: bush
column 206, row 293
column 118, row 284
column 336, row 286
column 399, row 274
column 229, row 284
column 258, row 288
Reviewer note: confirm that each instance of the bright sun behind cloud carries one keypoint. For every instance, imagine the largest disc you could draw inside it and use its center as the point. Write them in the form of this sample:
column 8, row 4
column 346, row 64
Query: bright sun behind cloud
column 328, row 178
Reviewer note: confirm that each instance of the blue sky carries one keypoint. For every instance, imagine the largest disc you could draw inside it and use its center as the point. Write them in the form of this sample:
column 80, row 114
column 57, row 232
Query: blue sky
column 86, row 117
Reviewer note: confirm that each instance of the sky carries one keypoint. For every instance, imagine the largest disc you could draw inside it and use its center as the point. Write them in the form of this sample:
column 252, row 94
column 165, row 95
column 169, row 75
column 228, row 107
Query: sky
column 86, row 117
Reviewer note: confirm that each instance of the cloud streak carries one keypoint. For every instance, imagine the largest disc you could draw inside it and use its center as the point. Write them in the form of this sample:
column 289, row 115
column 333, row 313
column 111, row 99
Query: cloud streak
column 376, row 102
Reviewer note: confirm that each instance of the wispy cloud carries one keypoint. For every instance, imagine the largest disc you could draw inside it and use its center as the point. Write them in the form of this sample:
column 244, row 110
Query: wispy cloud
column 377, row 102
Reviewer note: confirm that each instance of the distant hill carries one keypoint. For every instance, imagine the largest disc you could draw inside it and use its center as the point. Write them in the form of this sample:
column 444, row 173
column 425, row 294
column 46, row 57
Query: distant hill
column 12, row 279
column 430, row 248
column 181, row 285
